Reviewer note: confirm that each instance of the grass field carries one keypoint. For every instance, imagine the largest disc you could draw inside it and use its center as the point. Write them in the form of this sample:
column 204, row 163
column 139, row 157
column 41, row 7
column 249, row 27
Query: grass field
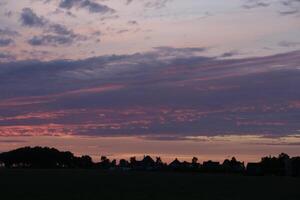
column 93, row 184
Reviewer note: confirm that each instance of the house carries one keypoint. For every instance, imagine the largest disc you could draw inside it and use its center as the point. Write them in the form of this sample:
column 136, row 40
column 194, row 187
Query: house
column 233, row 166
column 187, row 165
column 175, row 164
column 147, row 163
column 211, row 166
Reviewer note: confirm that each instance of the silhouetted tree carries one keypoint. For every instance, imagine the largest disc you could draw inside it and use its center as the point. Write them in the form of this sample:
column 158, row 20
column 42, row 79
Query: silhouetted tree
column 254, row 169
column 274, row 166
column 175, row 164
column 194, row 160
column 195, row 164
column 158, row 161
column 105, row 163
column 124, row 164
column 283, row 156
column 39, row 157
column 295, row 166
column 132, row 161
column 113, row 163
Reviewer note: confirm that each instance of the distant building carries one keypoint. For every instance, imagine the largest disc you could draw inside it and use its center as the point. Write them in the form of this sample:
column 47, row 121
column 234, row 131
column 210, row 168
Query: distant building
column 2, row 164
column 187, row 165
column 146, row 164
column 233, row 166
column 211, row 166
column 175, row 164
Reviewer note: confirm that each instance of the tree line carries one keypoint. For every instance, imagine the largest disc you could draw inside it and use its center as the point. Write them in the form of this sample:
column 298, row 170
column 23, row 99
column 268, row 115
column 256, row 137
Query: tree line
column 51, row 158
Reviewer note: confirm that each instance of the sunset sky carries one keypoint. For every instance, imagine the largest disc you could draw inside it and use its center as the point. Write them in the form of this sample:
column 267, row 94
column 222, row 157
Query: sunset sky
column 175, row 78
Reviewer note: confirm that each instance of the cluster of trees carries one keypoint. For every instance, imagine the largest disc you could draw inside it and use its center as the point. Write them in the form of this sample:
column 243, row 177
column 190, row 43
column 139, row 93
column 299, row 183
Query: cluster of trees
column 281, row 165
column 39, row 157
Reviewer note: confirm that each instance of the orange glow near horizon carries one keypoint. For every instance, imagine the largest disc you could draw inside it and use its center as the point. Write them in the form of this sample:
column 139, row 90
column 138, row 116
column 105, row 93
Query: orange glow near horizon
column 245, row 148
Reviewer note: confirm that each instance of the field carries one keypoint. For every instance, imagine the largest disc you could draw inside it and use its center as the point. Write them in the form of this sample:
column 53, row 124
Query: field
column 93, row 184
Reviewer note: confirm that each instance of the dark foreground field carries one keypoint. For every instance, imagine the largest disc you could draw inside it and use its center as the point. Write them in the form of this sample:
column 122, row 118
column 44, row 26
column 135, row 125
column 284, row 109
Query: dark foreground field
column 93, row 184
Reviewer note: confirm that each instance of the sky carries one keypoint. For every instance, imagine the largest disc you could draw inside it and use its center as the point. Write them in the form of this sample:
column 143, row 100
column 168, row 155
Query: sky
column 206, row 78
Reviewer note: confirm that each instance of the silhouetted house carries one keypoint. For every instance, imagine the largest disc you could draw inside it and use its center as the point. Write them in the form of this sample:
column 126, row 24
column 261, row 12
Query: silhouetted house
column 106, row 163
column 274, row 165
column 211, row 166
column 254, row 169
column 175, row 164
column 186, row 164
column 159, row 164
column 233, row 166
column 146, row 164
column 148, row 161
